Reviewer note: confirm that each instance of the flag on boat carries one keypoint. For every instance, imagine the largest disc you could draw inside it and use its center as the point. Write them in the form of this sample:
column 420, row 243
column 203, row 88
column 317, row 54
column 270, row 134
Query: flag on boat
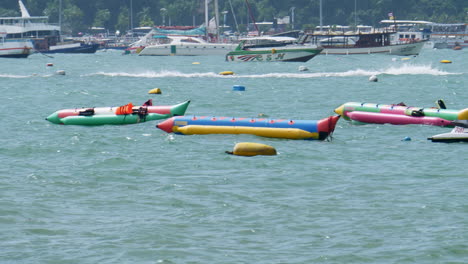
column 390, row 16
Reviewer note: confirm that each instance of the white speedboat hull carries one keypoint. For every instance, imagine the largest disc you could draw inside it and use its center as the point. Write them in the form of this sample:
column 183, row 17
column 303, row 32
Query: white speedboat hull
column 458, row 134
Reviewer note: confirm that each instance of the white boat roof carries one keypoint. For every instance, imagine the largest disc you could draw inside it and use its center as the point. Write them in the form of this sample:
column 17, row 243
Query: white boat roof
column 389, row 21
column 277, row 38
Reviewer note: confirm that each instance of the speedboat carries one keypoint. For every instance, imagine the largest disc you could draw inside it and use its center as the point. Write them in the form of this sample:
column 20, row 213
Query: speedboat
column 272, row 48
column 458, row 134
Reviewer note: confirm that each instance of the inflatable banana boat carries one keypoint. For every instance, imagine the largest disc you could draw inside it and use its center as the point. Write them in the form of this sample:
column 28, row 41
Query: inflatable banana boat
column 273, row 128
column 400, row 114
column 122, row 115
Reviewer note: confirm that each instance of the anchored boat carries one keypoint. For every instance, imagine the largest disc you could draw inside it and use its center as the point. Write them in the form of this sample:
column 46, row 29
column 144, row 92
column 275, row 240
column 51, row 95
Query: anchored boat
column 272, row 48
column 345, row 43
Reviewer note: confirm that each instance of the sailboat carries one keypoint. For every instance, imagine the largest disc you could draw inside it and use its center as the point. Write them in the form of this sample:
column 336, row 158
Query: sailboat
column 184, row 42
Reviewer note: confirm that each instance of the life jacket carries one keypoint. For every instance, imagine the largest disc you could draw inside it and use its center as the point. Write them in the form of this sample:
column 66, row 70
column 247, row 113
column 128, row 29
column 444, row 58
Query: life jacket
column 124, row 109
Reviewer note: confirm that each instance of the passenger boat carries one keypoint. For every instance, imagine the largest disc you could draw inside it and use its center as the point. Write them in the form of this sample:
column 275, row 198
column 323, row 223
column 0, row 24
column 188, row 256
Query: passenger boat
column 14, row 48
column 273, row 128
column 349, row 43
column 45, row 37
column 400, row 114
column 450, row 36
column 121, row 115
column 272, row 48
column 458, row 134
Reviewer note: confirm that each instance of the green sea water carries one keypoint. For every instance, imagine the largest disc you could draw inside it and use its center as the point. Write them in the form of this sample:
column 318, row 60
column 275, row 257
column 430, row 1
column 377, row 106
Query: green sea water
column 135, row 194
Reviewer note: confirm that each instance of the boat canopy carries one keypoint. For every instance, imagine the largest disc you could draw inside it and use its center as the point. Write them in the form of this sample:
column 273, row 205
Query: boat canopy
column 190, row 32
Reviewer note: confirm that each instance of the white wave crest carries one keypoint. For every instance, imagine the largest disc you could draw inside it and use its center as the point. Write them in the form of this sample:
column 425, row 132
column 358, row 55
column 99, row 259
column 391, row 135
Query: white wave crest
column 404, row 69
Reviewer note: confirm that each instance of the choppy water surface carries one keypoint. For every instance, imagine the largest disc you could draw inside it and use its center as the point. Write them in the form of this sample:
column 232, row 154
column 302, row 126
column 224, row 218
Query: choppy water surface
column 134, row 194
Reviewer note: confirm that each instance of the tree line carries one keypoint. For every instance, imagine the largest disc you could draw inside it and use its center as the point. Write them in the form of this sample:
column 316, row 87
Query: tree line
column 80, row 15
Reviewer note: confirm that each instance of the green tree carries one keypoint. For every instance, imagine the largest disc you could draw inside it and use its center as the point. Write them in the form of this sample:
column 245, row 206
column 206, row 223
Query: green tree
column 102, row 18
column 123, row 20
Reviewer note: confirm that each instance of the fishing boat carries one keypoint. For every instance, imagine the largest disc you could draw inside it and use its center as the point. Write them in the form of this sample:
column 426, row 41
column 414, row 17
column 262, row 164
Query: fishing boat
column 45, row 37
column 120, row 115
column 349, row 43
column 273, row 128
column 272, row 48
column 400, row 114
column 458, row 134
column 14, row 48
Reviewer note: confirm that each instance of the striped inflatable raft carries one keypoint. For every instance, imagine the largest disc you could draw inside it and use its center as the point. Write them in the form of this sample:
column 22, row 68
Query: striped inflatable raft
column 273, row 128
column 400, row 114
column 122, row 115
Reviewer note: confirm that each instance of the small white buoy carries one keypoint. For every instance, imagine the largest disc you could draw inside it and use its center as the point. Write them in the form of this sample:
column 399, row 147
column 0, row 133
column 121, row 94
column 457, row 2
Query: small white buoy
column 394, row 59
column 303, row 68
column 60, row 72
column 373, row 78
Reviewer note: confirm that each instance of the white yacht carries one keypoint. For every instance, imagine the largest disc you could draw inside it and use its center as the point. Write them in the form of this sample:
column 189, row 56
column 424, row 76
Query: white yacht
column 168, row 45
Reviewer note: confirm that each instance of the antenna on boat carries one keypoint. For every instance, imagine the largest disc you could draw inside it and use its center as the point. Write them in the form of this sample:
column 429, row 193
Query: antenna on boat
column 321, row 24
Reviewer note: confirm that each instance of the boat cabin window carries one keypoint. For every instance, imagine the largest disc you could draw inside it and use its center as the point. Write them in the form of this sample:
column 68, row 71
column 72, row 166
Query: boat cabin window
column 189, row 40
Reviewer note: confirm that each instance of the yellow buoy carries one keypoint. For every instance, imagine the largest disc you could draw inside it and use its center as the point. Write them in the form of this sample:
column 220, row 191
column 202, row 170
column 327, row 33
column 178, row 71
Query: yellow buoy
column 252, row 149
column 155, row 91
column 405, row 58
column 226, row 73
column 445, row 61
column 463, row 114
column 195, row 63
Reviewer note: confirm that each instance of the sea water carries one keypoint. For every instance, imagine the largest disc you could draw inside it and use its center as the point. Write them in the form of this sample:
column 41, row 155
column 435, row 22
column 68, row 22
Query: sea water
column 135, row 194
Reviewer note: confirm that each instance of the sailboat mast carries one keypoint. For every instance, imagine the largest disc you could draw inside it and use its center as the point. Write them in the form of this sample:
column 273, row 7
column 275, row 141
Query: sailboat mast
column 217, row 19
column 252, row 17
column 60, row 20
column 321, row 24
column 206, row 19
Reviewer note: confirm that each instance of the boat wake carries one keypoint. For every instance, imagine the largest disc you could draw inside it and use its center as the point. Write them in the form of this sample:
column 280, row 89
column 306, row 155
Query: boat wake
column 12, row 76
column 393, row 70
